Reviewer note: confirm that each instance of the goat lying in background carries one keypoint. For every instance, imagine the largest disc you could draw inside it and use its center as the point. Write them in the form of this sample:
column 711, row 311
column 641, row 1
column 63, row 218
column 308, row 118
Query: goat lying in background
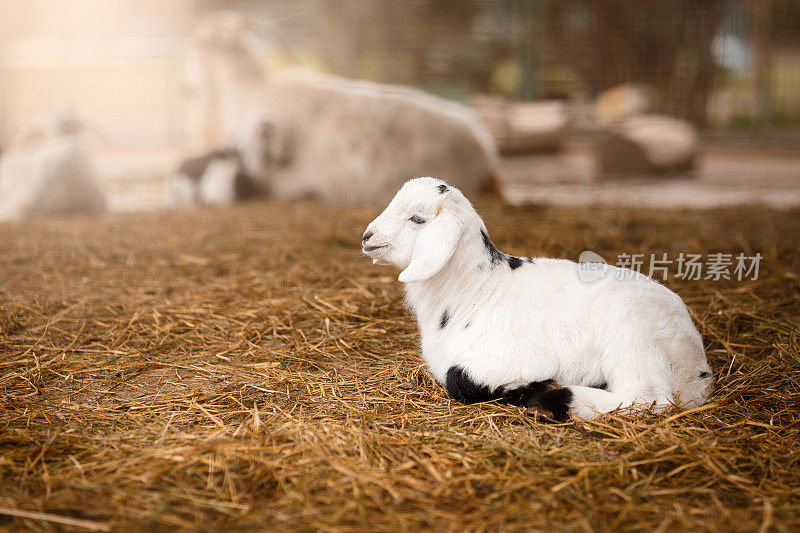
column 499, row 327
column 352, row 141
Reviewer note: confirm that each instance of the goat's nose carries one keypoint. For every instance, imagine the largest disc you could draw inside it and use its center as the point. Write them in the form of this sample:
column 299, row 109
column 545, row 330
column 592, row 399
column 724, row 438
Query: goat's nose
column 366, row 236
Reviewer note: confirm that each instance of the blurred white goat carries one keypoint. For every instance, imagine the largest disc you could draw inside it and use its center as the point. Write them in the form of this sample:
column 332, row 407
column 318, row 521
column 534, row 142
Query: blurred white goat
column 351, row 141
column 48, row 170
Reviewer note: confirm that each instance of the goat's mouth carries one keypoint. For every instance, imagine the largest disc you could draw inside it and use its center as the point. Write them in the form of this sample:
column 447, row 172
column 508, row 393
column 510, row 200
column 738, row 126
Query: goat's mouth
column 366, row 249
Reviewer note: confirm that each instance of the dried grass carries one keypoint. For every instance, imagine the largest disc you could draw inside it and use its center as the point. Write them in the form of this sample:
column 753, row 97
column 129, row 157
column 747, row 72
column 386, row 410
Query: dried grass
column 248, row 369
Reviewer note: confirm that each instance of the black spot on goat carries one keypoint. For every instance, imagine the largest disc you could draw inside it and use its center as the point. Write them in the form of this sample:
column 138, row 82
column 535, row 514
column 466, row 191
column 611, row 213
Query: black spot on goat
column 460, row 387
column 443, row 189
column 445, row 318
column 495, row 255
column 514, row 262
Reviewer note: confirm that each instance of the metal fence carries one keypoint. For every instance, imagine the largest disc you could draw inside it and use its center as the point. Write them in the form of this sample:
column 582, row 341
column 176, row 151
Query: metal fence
column 726, row 65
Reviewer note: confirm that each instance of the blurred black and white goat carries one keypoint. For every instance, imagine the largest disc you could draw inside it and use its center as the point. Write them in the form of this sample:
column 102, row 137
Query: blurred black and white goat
column 216, row 179
column 499, row 327
column 48, row 169
column 221, row 177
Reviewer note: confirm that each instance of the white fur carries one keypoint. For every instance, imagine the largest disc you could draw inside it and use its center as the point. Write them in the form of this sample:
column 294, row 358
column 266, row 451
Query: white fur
column 182, row 191
column 353, row 141
column 218, row 184
column 49, row 171
column 539, row 321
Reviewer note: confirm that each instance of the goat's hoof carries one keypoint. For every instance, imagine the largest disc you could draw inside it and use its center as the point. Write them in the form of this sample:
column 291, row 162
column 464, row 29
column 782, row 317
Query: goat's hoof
column 553, row 404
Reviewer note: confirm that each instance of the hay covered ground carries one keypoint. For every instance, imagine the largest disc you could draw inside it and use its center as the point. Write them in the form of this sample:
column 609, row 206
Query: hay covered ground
column 248, row 369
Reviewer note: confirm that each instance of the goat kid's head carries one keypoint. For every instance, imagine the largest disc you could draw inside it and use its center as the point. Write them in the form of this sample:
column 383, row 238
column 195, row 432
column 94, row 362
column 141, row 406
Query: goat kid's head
column 419, row 230
column 267, row 143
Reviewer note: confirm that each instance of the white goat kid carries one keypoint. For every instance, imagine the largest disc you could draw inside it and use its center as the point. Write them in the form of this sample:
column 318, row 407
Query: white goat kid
column 499, row 327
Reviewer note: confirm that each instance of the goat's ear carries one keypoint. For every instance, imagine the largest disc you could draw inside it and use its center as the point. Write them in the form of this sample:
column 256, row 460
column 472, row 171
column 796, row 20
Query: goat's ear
column 434, row 247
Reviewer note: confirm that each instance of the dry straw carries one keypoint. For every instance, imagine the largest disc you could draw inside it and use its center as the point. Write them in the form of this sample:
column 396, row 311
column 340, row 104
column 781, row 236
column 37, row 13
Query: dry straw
column 248, row 369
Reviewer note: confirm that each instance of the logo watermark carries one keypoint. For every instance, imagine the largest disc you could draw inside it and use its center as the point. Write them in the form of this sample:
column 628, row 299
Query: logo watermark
column 695, row 267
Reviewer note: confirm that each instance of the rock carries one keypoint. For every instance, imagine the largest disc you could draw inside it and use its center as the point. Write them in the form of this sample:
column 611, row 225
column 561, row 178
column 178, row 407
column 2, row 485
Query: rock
column 523, row 127
column 647, row 145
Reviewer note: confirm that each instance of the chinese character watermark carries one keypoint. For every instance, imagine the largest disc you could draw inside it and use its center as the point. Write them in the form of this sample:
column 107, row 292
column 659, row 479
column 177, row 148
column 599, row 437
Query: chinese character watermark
column 693, row 267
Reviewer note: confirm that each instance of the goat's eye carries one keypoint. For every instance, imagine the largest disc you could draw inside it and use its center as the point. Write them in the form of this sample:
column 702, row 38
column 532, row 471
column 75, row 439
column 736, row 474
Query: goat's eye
column 417, row 220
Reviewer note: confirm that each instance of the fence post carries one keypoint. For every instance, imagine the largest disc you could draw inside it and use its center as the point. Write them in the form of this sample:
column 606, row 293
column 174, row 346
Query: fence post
column 762, row 23
column 529, row 89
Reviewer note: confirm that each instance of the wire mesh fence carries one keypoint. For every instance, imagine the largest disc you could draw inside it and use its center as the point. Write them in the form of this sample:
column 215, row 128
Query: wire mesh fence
column 728, row 66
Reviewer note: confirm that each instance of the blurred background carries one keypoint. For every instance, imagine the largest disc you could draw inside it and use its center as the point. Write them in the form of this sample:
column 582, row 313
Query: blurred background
column 729, row 70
